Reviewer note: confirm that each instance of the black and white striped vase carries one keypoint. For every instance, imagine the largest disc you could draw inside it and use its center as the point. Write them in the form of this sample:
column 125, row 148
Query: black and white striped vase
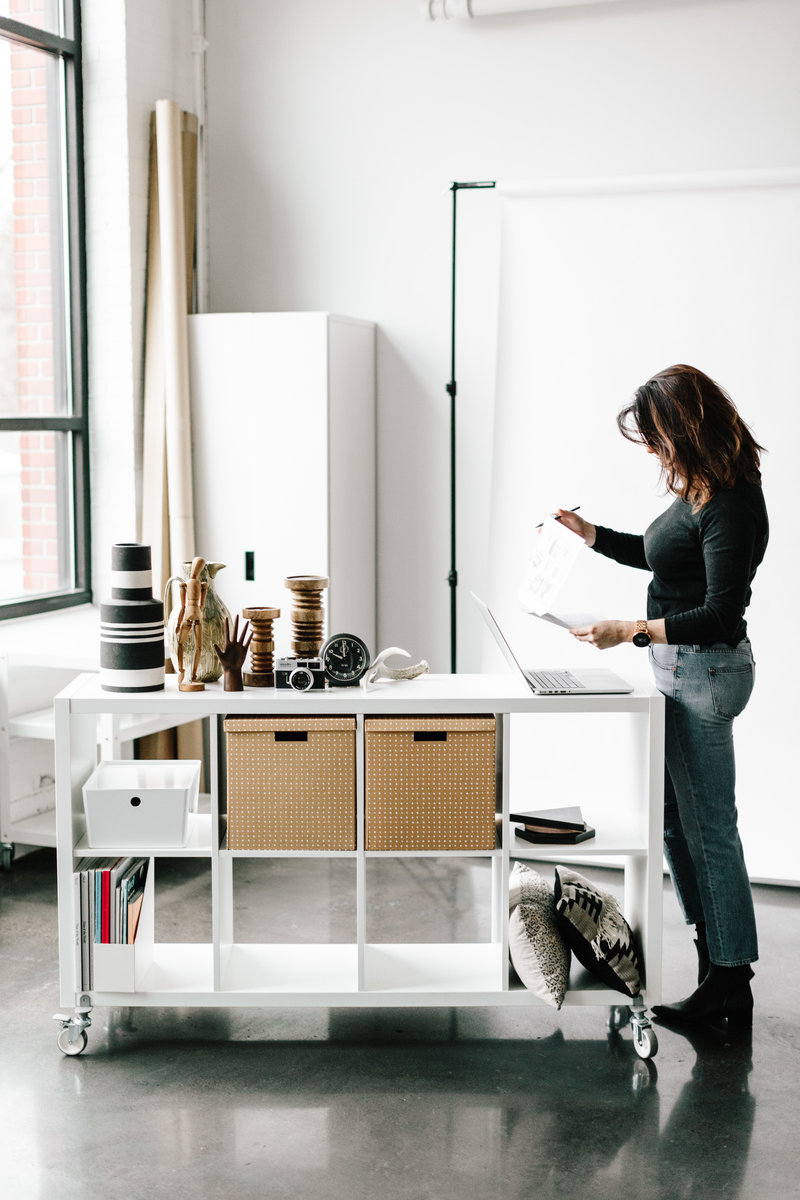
column 131, row 625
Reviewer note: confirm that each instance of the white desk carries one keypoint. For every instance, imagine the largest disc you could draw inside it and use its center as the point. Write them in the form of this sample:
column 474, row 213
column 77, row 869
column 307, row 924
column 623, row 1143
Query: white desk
column 626, row 808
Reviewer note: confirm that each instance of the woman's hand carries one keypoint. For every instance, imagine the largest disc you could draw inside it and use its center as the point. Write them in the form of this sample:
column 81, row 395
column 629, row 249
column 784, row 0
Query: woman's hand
column 577, row 524
column 605, row 634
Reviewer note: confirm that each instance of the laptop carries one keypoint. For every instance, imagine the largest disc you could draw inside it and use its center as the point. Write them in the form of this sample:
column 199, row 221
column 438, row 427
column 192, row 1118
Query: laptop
column 578, row 681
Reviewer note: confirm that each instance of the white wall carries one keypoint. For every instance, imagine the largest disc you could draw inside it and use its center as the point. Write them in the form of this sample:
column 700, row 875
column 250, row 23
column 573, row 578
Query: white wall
column 108, row 281
column 334, row 133
column 726, row 261
column 135, row 52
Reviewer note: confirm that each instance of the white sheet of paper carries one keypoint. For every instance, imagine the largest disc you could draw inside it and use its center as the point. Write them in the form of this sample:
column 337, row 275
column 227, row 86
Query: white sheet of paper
column 554, row 552
column 567, row 620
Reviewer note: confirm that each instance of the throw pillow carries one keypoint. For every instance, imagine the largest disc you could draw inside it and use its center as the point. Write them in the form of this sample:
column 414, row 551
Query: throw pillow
column 537, row 949
column 592, row 925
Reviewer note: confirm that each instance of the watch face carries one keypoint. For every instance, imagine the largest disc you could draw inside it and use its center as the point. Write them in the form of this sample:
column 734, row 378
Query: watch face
column 345, row 659
column 641, row 639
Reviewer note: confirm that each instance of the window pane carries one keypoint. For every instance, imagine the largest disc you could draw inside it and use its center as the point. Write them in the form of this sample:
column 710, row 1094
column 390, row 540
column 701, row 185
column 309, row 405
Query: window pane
column 35, row 514
column 42, row 14
column 33, row 375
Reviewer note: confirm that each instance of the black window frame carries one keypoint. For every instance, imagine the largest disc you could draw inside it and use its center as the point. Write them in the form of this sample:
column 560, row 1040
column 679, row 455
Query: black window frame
column 65, row 48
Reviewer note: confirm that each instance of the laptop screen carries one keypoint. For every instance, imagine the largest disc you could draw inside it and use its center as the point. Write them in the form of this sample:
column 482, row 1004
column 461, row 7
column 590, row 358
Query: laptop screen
column 498, row 635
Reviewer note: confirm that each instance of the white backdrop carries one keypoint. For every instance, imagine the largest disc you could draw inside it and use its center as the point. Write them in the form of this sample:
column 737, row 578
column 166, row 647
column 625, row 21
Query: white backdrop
column 601, row 285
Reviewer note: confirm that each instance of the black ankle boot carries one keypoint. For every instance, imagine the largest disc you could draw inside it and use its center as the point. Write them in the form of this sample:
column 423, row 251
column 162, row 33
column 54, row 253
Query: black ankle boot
column 725, row 992
column 701, row 946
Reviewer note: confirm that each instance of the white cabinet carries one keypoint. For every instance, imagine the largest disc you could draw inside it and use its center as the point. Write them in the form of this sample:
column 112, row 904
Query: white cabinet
column 625, row 807
column 283, row 452
column 39, row 656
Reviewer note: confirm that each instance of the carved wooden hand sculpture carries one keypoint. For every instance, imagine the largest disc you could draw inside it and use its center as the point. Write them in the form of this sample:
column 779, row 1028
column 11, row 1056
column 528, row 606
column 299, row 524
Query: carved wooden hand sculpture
column 233, row 654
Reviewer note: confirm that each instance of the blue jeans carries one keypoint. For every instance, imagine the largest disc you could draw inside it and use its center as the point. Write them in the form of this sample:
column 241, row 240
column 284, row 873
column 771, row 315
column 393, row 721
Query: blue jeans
column 705, row 688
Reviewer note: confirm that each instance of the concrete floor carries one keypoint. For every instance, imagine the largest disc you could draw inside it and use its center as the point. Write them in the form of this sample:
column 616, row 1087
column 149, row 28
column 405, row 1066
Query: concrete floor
column 448, row 1104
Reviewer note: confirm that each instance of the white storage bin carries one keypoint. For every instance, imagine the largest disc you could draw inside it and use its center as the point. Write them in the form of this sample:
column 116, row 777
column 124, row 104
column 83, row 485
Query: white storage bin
column 140, row 805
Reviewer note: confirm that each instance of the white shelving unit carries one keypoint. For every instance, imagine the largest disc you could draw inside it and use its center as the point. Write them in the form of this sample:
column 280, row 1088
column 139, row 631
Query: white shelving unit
column 39, row 656
column 625, row 807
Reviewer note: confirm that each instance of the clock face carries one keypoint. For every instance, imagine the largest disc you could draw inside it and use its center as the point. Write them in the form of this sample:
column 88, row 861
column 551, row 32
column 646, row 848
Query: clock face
column 345, row 659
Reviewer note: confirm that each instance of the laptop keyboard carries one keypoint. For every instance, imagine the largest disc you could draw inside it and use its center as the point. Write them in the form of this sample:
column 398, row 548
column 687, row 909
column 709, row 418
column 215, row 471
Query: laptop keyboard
column 554, row 680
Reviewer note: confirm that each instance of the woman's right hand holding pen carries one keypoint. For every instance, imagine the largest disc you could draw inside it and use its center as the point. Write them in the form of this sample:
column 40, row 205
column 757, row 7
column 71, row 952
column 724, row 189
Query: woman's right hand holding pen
column 584, row 529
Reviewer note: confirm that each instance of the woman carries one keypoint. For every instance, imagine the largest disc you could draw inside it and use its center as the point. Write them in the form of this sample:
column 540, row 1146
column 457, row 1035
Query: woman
column 703, row 553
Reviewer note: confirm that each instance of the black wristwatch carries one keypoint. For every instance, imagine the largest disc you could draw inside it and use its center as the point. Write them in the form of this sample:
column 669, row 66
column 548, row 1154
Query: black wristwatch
column 641, row 637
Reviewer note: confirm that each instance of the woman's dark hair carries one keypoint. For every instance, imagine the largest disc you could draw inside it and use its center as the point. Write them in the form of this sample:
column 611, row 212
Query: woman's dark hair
column 693, row 427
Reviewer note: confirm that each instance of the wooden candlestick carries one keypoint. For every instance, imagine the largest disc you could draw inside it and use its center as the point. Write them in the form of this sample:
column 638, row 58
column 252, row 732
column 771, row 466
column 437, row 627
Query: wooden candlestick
column 308, row 616
column 262, row 647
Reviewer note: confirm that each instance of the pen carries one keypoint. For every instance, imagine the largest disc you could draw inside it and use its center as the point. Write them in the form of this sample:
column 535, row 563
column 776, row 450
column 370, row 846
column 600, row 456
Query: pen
column 575, row 509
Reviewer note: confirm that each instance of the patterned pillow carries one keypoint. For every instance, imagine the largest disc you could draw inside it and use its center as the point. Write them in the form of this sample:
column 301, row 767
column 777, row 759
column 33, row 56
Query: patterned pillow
column 538, row 951
column 596, row 931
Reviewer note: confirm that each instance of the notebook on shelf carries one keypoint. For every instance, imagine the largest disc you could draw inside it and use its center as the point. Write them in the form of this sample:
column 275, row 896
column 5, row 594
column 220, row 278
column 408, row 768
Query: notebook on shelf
column 552, row 825
column 551, row 818
column 569, row 837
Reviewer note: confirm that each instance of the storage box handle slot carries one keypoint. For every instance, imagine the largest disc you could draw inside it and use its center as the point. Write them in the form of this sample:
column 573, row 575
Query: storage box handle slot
column 291, row 735
column 430, row 735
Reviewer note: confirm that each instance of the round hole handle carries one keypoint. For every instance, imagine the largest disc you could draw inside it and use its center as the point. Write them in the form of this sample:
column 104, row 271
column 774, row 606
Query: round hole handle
column 136, row 801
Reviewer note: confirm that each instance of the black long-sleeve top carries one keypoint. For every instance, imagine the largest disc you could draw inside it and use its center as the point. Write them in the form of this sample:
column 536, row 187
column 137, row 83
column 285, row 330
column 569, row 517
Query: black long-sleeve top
column 703, row 563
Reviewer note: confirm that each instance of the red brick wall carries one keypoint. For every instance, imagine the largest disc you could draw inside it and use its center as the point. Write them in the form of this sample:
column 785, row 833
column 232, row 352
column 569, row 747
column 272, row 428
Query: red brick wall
column 32, row 267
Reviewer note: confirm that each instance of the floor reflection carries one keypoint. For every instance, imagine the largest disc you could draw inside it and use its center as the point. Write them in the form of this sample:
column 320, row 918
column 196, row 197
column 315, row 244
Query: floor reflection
column 705, row 1145
column 375, row 1110
column 398, row 1103
column 387, row 1104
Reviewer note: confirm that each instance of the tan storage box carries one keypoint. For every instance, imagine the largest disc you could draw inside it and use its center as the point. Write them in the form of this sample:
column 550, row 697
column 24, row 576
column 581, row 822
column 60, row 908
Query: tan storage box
column 291, row 783
column 430, row 783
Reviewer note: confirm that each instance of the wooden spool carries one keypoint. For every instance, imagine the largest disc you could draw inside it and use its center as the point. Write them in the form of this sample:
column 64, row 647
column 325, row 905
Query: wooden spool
column 262, row 647
column 307, row 615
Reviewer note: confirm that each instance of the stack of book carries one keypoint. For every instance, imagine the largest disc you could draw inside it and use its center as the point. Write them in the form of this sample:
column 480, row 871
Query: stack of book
column 550, row 825
column 108, row 900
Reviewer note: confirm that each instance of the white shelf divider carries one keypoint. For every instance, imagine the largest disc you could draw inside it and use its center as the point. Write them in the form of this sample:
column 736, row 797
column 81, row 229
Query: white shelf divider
column 198, row 843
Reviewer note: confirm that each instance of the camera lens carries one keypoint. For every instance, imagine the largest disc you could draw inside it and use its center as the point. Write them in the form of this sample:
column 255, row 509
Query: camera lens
column 301, row 679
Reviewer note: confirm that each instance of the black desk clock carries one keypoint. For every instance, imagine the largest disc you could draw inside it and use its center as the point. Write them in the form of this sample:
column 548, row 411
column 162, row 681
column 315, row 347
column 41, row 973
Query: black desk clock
column 345, row 659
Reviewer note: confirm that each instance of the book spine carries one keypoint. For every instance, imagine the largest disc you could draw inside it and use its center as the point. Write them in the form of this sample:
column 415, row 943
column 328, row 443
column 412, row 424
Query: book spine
column 91, row 925
column 123, row 931
column 105, row 914
column 98, row 906
column 85, row 939
column 76, row 902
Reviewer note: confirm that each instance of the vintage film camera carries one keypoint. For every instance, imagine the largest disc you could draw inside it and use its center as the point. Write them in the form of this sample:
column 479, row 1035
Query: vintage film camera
column 301, row 674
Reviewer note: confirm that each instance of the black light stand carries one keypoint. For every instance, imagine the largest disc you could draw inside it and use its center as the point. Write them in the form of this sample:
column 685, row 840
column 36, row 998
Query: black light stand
column 452, row 578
